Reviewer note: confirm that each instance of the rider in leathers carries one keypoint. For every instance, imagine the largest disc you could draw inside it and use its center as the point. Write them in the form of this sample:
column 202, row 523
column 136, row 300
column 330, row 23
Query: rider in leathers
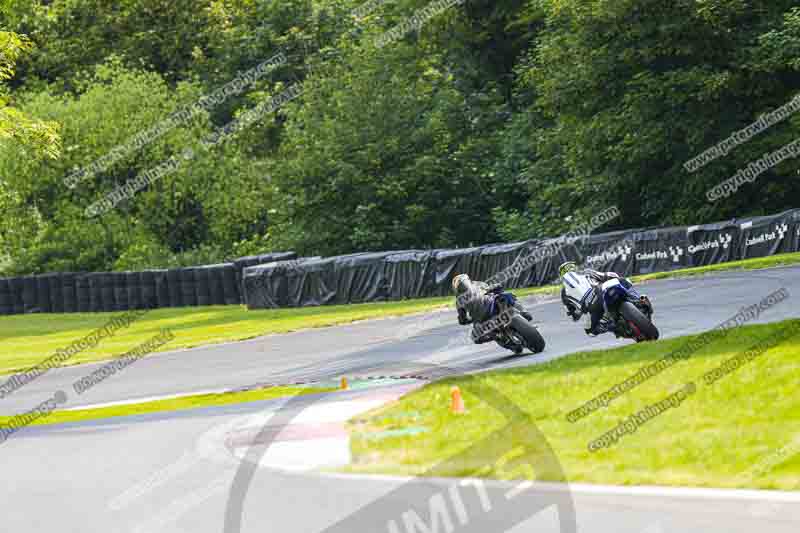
column 581, row 296
column 475, row 302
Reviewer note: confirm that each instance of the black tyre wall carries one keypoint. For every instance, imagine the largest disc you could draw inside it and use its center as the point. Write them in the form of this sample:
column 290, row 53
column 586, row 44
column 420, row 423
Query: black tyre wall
column 83, row 292
column 120, row 282
column 201, row 280
column 29, row 294
column 188, row 291
column 162, row 288
column 43, row 293
column 68, row 292
column 149, row 300
column 133, row 285
column 230, row 288
column 17, row 286
column 174, row 287
column 6, row 303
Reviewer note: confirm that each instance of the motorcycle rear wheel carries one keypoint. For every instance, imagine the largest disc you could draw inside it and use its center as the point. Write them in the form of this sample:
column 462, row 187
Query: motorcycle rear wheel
column 533, row 339
column 638, row 321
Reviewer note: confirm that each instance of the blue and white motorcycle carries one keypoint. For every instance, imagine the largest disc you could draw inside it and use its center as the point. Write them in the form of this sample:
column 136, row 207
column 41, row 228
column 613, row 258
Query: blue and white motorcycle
column 628, row 313
column 624, row 310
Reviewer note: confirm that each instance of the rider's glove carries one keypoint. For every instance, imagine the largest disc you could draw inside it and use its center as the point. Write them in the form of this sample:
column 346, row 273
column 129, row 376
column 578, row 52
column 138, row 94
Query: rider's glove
column 573, row 313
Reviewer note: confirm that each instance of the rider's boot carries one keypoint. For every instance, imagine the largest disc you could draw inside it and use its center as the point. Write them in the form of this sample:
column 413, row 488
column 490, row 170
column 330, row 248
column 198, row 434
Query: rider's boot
column 526, row 315
column 516, row 348
column 481, row 339
column 645, row 300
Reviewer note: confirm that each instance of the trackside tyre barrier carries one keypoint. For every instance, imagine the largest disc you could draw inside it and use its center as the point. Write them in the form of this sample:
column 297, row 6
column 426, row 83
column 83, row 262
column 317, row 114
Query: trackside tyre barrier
column 283, row 280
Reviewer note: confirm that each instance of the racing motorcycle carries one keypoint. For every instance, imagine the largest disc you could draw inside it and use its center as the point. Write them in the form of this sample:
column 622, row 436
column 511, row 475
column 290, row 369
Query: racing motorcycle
column 509, row 328
column 628, row 313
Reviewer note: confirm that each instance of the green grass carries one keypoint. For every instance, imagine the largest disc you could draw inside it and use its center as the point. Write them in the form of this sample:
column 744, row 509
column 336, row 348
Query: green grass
column 710, row 440
column 746, row 264
column 29, row 339
column 169, row 405
column 26, row 340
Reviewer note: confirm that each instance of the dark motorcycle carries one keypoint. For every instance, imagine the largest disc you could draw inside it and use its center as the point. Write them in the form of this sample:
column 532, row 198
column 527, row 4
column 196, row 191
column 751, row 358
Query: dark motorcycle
column 509, row 327
column 628, row 313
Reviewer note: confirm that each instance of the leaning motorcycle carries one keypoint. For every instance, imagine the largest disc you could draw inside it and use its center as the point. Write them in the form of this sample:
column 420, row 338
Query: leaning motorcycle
column 628, row 313
column 510, row 329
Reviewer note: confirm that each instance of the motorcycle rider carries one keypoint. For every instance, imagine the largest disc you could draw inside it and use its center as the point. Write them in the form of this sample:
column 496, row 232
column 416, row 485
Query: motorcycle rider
column 581, row 296
column 476, row 302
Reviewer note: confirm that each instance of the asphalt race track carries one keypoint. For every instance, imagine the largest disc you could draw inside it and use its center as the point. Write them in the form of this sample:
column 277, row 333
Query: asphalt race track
column 174, row 472
column 405, row 345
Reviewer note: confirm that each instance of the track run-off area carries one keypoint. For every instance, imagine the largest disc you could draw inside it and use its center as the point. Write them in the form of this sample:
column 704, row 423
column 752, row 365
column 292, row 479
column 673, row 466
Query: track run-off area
column 180, row 472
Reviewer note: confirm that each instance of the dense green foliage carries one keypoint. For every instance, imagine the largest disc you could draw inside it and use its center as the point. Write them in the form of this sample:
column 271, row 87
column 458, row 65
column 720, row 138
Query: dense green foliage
column 497, row 120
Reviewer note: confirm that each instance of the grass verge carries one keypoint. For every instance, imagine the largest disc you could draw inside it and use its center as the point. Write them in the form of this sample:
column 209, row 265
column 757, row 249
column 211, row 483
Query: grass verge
column 29, row 339
column 170, row 405
column 746, row 264
column 26, row 340
column 714, row 438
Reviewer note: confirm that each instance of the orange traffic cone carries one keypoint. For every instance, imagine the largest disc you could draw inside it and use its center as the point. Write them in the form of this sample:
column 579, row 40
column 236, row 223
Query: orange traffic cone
column 343, row 385
column 456, row 401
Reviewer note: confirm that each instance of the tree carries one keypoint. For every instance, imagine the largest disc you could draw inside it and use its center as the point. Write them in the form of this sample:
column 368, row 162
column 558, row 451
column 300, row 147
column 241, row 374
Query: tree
column 633, row 89
column 15, row 125
column 378, row 155
column 18, row 131
column 213, row 200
